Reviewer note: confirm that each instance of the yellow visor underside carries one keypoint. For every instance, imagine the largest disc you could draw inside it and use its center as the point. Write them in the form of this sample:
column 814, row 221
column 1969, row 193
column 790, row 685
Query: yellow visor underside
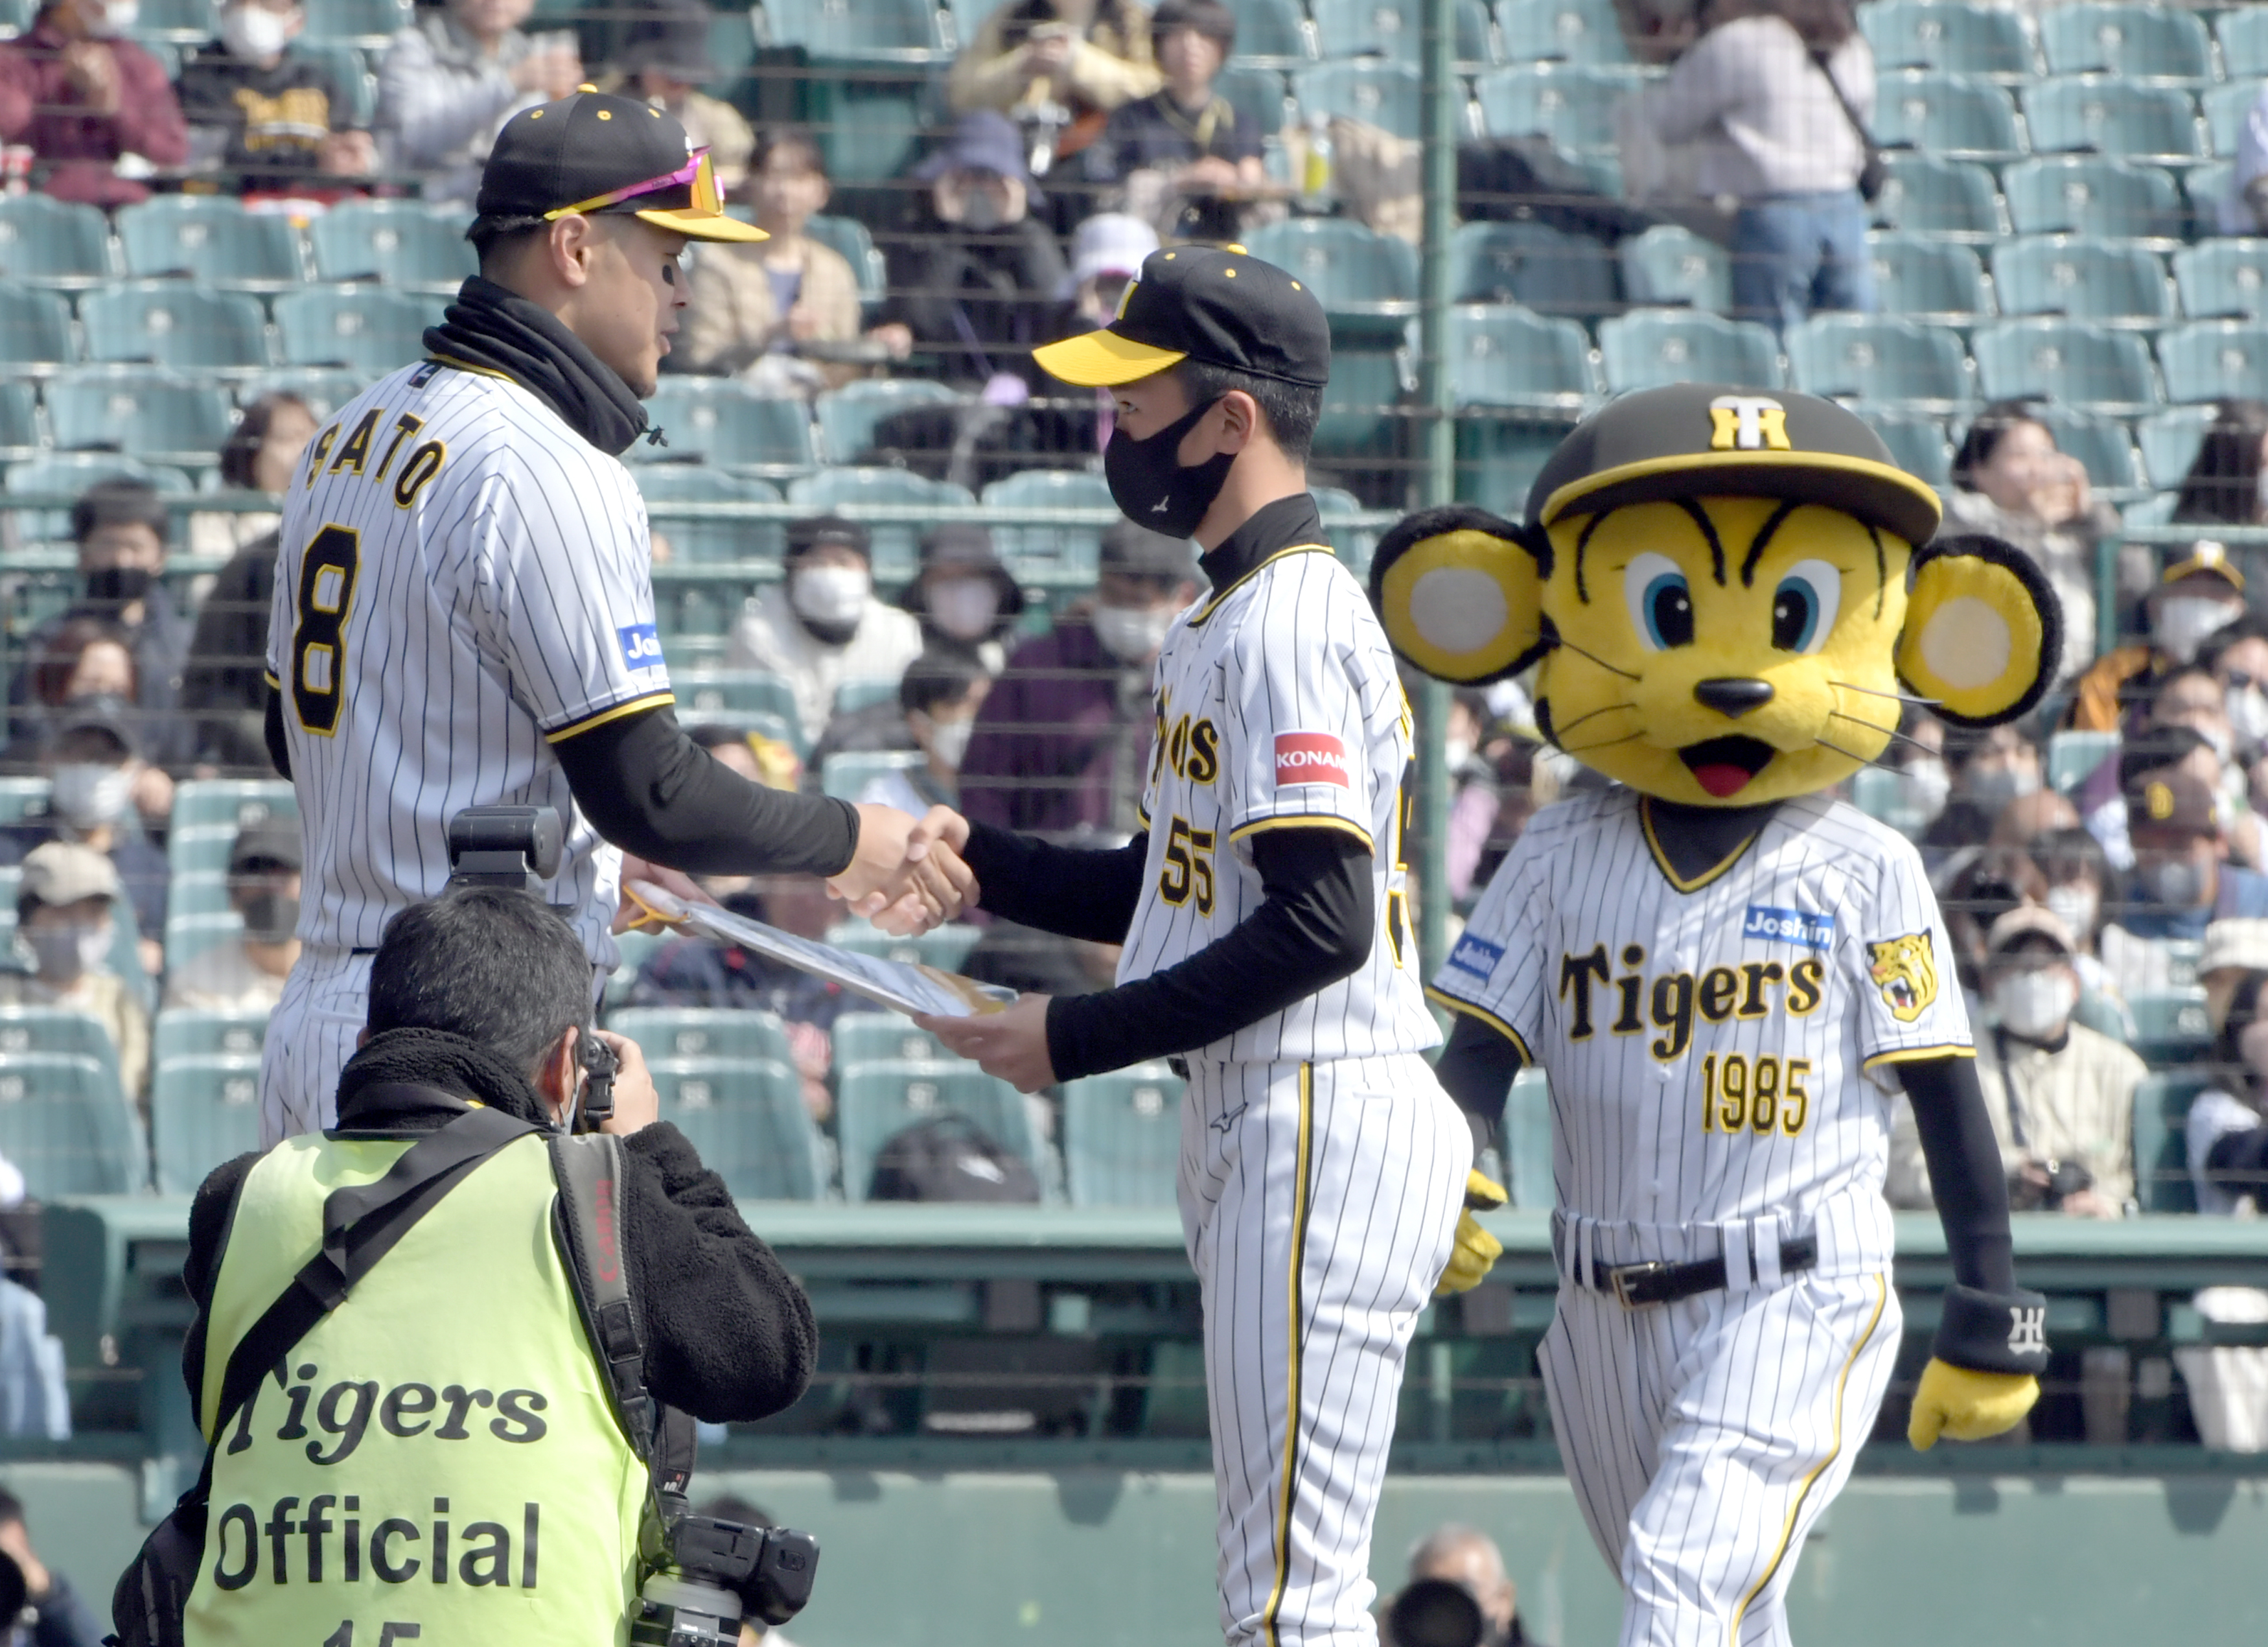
column 696, row 225
column 1100, row 359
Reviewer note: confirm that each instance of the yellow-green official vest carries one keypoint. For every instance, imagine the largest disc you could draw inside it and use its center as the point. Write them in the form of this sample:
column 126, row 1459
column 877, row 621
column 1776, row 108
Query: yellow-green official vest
column 444, row 1465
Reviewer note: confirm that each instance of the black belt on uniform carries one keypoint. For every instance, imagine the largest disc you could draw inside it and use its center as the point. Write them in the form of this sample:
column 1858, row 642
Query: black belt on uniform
column 1637, row 1286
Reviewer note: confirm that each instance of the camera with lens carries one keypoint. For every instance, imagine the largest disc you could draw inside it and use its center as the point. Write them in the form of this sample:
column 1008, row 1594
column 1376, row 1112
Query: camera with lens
column 2065, row 1178
column 505, row 846
column 719, row 1572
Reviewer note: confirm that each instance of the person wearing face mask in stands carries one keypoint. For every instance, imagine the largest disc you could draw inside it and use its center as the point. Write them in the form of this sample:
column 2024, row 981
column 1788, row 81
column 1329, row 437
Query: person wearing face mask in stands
column 92, row 765
column 81, row 95
column 2227, row 1156
column 2197, row 596
column 1989, row 769
column 1062, row 743
column 940, row 695
column 247, row 973
column 965, row 598
column 2181, row 883
column 63, row 922
column 2238, row 657
column 2077, row 876
column 823, row 625
column 269, row 119
column 2193, row 697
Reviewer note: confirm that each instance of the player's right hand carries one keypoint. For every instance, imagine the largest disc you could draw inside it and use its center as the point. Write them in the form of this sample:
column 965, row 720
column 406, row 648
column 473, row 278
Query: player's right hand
column 1475, row 1251
column 1967, row 1405
column 907, row 876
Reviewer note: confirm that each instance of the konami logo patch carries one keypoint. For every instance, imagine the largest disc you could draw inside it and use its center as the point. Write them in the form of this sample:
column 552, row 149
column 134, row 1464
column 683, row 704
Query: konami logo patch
column 1312, row 757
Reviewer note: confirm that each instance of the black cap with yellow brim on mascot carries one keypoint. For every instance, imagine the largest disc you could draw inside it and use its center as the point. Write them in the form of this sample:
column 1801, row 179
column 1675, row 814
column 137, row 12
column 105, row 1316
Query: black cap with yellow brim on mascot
column 1726, row 596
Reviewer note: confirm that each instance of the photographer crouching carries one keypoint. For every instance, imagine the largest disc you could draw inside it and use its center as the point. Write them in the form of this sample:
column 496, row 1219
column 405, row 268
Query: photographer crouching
column 463, row 1326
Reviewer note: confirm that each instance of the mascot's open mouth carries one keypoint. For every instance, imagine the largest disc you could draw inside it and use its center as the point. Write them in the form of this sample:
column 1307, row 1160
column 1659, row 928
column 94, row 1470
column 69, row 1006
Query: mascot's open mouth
column 1723, row 766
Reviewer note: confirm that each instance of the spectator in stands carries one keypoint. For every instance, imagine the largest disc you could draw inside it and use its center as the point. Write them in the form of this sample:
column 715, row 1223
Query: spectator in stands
column 2182, row 882
column 759, row 759
column 754, row 309
column 2197, row 596
column 1107, row 251
column 984, row 272
column 2011, row 482
column 939, row 694
column 1976, row 886
column 224, row 682
column 965, row 598
column 1467, row 1556
column 1088, row 55
column 665, row 59
column 2028, row 817
column 82, row 660
column 247, row 973
column 63, row 1617
column 2227, row 1149
column 1990, row 770
column 1062, row 743
column 1472, row 756
column 2223, row 486
column 450, row 82
column 1754, row 94
column 92, row 765
column 272, row 119
column 1177, row 153
column 2193, row 697
column 81, row 95
column 823, row 625
column 2238, row 657
column 2078, row 879
column 64, row 920
column 2232, row 948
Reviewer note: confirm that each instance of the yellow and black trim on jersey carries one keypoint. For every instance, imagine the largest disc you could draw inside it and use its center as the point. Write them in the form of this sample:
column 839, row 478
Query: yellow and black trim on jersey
column 1304, row 820
column 456, row 364
column 1669, row 871
column 612, row 712
column 1918, row 1055
column 1212, row 602
column 1442, row 997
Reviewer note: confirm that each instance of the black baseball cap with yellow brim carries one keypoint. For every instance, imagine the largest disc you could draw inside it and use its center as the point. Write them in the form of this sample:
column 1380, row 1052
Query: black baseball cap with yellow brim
column 1220, row 306
column 594, row 154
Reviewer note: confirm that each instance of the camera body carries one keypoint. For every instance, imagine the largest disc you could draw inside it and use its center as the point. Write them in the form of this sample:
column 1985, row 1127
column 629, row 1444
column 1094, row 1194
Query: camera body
column 2065, row 1178
column 722, row 1571
column 505, row 846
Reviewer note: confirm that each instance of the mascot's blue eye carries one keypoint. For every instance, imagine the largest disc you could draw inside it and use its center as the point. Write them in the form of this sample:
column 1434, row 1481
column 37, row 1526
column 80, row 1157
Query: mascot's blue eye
column 1804, row 606
column 1661, row 602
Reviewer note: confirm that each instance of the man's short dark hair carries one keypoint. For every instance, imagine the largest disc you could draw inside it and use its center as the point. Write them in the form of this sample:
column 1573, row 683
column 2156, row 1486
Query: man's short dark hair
column 1209, row 18
column 495, row 966
column 495, row 240
column 938, row 676
column 1292, row 409
column 119, row 501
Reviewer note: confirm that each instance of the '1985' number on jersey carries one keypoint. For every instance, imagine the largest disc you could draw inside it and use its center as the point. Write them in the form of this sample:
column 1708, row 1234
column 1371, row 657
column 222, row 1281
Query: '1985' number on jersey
column 318, row 647
column 1760, row 1095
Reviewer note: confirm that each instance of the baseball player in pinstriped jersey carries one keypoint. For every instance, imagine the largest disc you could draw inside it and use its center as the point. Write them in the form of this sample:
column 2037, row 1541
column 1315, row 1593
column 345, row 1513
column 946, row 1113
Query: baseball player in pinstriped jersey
column 1724, row 972
column 464, row 613
column 1263, row 914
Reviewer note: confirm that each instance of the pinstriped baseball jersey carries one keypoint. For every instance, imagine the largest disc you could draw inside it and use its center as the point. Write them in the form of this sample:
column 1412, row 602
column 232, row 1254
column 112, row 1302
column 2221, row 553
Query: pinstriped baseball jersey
column 1705, row 1040
column 1278, row 706
column 462, row 582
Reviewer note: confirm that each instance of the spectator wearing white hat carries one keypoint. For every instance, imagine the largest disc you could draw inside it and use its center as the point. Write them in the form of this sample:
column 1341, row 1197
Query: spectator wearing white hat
column 2232, row 949
column 65, row 905
column 2227, row 1151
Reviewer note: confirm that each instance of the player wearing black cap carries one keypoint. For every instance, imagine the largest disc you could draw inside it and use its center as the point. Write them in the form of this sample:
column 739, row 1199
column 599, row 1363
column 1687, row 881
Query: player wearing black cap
column 464, row 613
column 1262, row 912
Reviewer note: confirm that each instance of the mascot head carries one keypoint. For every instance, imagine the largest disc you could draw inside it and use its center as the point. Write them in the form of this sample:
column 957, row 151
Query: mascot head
column 1722, row 592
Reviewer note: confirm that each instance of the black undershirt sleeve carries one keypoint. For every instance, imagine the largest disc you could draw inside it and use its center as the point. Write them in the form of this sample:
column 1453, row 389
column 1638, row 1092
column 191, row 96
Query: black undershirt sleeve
column 279, row 752
column 1314, row 927
column 1073, row 891
column 1964, row 1170
column 1476, row 1069
column 654, row 792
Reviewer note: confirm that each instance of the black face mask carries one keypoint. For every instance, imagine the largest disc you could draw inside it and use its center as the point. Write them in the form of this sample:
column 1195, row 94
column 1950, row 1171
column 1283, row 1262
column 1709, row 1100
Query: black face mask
column 1149, row 484
column 271, row 917
column 119, row 586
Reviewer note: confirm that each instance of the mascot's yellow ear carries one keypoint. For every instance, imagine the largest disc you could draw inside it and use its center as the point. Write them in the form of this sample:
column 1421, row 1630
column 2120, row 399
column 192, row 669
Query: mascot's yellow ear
column 1459, row 592
column 1984, row 630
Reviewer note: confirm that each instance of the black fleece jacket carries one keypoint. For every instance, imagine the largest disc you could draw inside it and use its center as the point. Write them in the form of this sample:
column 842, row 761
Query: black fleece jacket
column 729, row 1334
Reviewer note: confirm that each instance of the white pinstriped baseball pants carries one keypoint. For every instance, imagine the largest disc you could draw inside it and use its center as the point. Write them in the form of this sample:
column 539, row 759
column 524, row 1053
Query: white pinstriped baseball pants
column 1704, row 1439
column 1318, row 1202
column 310, row 1038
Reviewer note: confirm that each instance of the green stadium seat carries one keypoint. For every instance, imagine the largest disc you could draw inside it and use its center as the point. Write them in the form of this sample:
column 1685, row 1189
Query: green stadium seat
column 1916, row 441
column 212, row 239
column 704, row 1032
column 1382, row 94
column 1573, row 104
column 350, row 75
column 19, row 418
column 747, row 1121
column 2081, row 279
column 1260, row 94
column 845, row 776
column 1275, row 31
column 2074, row 757
column 324, row 388
column 208, row 813
column 943, row 948
column 1123, row 1137
column 894, row 551
column 189, row 1033
column 181, row 22
column 1876, row 359
column 847, row 415
column 66, row 1125
column 148, row 413
column 869, row 129
column 1881, row 795
column 2211, row 360
column 2170, row 1026
column 867, row 1038
column 731, row 50
column 1951, row 200
column 1924, row 278
column 2138, row 42
column 734, row 690
column 1563, row 31
column 1648, row 348
column 1988, row 41
column 1527, row 1141
column 35, row 330
column 372, row 21
column 857, row 31
column 2223, row 279
column 368, row 329
column 2161, row 1153
column 187, row 936
column 875, row 1102
column 2070, row 361
column 2101, row 445
column 849, row 237
column 2242, row 32
column 54, row 1032
column 54, row 243
column 1353, row 544
column 2148, row 513
column 198, row 893
column 204, row 1109
column 399, row 243
column 710, row 540
column 2169, row 441
column 2207, row 187
column 2100, row 198
column 1359, row 419
column 1380, row 29
column 1504, row 356
column 72, row 473
column 2225, row 108
column 1353, row 271
column 716, row 420
column 1953, row 116
column 21, row 798
column 2110, row 116
column 1669, row 265
column 1532, row 264
column 174, row 325
column 1064, row 556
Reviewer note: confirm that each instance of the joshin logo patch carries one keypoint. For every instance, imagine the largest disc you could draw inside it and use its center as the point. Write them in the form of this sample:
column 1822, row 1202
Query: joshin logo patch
column 641, row 646
column 1789, row 925
column 1312, row 757
column 1476, row 954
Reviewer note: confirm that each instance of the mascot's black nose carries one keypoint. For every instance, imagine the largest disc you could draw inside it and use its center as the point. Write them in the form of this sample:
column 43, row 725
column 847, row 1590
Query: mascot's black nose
column 1733, row 696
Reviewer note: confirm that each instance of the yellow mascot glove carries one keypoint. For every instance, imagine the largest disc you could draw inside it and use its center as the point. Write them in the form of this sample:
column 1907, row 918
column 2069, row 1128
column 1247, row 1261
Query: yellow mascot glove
column 1967, row 1406
column 1475, row 1249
